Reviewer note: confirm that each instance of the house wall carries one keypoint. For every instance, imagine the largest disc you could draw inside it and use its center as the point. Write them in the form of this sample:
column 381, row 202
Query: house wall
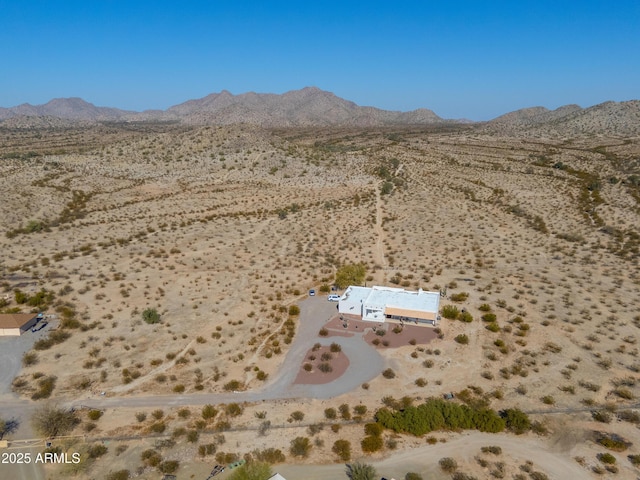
column 404, row 312
column 10, row 332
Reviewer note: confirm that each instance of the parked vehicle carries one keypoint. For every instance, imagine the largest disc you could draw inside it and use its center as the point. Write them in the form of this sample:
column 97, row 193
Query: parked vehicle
column 312, row 293
column 39, row 326
column 333, row 298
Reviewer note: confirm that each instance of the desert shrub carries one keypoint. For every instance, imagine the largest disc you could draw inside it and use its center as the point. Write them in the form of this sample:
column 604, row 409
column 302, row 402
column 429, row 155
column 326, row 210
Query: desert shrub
column 323, row 332
column 342, row 448
column 300, row 447
column 118, row 475
column 232, row 385
column 297, row 416
column 462, row 339
column 151, row 315
column 459, row 297
column 29, row 359
column 607, row 458
column 45, row 388
column 629, row 416
column 294, row 310
column 206, row 449
column 493, row 327
column 360, row 409
column 489, row 317
column 335, row 347
column 157, row 414
column 492, row 449
column 345, row 411
column 95, row 451
column 94, row 414
column 371, row 443
column 151, row 458
column 448, row 464
column 252, row 471
column 373, row 429
column 330, row 413
column 466, row 317
column 601, row 416
column 485, row 307
column 516, row 420
column 420, row 382
column 269, row 455
column 361, row 471
column 158, row 427
column 325, row 367
column 141, row 417
column 169, row 466
column 233, row 410
column 450, row 311
column 389, row 373
column 413, row 476
column 613, row 442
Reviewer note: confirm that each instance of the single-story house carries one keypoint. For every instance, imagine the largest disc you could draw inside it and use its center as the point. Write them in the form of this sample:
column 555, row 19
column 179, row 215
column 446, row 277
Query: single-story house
column 277, row 476
column 15, row 324
column 380, row 304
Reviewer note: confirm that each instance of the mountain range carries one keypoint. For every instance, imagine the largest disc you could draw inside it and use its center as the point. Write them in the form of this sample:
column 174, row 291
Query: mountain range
column 312, row 106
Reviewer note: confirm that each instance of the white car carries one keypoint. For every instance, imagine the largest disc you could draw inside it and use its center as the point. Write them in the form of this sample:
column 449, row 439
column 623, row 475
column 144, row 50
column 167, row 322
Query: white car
column 333, row 298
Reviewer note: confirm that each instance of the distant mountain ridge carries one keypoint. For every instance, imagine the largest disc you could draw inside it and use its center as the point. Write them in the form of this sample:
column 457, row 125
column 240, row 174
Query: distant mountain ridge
column 311, row 106
column 613, row 118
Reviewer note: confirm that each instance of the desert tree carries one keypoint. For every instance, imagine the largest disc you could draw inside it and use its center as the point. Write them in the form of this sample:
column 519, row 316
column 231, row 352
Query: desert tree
column 361, row 471
column 50, row 420
column 252, row 471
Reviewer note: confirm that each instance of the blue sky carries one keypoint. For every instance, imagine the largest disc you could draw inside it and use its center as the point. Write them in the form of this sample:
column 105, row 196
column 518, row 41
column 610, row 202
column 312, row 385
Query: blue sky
column 462, row 59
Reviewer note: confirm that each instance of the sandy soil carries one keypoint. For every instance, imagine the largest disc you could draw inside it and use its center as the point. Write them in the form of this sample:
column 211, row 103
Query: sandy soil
column 222, row 229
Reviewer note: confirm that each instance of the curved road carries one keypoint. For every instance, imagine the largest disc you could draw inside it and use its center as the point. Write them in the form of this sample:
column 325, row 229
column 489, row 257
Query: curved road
column 365, row 364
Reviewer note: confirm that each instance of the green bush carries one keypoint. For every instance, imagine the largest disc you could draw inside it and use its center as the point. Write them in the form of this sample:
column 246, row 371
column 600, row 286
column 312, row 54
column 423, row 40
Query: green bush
column 209, row 412
column 371, row 443
column 94, row 414
column 352, row 274
column 516, row 420
column 342, row 448
column 459, row 297
column 437, row 414
column 489, row 317
column 607, row 458
column 462, row 339
column 450, row 311
column 330, row 413
column 294, row 310
column 300, row 447
column 151, row 316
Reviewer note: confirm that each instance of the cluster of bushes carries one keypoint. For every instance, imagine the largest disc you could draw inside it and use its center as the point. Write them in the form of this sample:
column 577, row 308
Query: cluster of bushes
column 437, row 414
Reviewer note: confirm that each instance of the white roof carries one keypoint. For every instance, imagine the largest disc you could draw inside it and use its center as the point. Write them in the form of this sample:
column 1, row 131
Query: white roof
column 277, row 476
column 381, row 297
column 352, row 299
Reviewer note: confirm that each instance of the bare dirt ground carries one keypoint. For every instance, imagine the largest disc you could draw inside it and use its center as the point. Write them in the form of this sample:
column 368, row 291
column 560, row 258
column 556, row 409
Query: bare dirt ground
column 222, row 229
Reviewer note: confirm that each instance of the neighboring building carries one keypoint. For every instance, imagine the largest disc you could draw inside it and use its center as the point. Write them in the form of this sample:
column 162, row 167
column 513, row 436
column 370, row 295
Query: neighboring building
column 380, row 304
column 15, row 324
column 277, row 476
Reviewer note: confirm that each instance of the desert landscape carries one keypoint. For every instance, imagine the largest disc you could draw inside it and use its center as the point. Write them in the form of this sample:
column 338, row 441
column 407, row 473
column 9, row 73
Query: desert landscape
column 173, row 253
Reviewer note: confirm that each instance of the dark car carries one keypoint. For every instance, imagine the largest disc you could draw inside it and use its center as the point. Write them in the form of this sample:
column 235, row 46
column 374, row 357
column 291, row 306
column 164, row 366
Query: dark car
column 39, row 326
